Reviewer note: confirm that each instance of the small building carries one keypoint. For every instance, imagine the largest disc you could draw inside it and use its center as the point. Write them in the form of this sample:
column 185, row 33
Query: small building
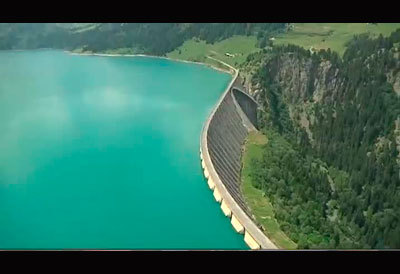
column 229, row 54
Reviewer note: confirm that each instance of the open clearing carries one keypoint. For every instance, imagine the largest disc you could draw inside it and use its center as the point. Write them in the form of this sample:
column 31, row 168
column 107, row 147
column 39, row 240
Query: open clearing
column 331, row 35
column 197, row 50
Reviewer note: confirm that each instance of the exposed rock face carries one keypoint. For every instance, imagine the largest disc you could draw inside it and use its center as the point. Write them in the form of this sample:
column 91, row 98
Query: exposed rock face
column 303, row 82
column 307, row 81
column 302, row 79
column 394, row 78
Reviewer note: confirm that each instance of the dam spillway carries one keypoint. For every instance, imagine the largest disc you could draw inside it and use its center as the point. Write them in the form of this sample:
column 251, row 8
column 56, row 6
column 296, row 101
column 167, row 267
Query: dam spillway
column 223, row 136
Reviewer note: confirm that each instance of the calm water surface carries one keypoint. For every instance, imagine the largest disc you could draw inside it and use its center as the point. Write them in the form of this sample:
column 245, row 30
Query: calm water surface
column 103, row 152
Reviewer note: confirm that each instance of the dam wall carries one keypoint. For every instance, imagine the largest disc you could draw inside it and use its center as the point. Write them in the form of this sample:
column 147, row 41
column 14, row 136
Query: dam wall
column 247, row 105
column 222, row 138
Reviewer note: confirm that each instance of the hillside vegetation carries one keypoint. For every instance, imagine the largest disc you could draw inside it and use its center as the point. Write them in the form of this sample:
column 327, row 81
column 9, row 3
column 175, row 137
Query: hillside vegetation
column 148, row 38
column 260, row 204
column 331, row 165
column 330, row 35
column 239, row 46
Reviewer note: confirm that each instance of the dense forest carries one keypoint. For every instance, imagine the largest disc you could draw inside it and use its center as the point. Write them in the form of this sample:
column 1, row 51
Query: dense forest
column 331, row 166
column 149, row 38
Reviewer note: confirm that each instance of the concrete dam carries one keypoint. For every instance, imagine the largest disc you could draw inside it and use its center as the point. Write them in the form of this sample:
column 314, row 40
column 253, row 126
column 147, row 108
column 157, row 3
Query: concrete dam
column 223, row 136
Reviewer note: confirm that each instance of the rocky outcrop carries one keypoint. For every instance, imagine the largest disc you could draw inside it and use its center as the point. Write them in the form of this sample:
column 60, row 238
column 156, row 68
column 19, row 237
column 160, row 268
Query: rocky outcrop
column 301, row 79
column 394, row 78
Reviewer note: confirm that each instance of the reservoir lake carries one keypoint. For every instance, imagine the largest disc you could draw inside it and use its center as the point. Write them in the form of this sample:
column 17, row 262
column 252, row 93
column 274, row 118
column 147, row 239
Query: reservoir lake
column 103, row 153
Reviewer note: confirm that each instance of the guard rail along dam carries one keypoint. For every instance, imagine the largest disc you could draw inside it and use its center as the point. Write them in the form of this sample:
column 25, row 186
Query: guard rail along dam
column 221, row 141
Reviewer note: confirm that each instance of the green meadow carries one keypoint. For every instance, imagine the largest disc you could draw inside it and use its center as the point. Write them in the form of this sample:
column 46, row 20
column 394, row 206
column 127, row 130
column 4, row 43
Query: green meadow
column 198, row 50
column 331, row 35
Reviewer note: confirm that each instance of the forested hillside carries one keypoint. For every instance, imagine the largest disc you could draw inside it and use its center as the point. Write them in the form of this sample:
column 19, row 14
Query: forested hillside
column 331, row 166
column 149, row 38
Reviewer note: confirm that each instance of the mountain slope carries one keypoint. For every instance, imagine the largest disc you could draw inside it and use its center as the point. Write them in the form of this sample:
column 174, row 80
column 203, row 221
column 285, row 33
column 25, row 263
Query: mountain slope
column 149, row 38
column 340, row 117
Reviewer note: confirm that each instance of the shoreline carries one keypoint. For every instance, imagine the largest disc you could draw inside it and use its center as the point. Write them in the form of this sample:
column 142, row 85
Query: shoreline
column 231, row 70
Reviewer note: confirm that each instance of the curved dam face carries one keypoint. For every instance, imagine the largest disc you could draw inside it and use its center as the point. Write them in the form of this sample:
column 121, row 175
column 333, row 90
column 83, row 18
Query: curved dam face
column 247, row 104
column 223, row 136
column 226, row 135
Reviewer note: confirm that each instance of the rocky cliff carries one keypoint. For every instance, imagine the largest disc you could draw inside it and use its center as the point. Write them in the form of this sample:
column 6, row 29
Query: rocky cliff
column 306, row 80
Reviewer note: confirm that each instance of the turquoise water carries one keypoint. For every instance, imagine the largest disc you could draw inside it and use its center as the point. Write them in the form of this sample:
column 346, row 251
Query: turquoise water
column 103, row 153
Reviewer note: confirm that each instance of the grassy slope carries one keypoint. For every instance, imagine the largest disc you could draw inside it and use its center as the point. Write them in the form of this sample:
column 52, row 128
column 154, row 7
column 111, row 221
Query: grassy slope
column 196, row 50
column 335, row 34
column 260, row 205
